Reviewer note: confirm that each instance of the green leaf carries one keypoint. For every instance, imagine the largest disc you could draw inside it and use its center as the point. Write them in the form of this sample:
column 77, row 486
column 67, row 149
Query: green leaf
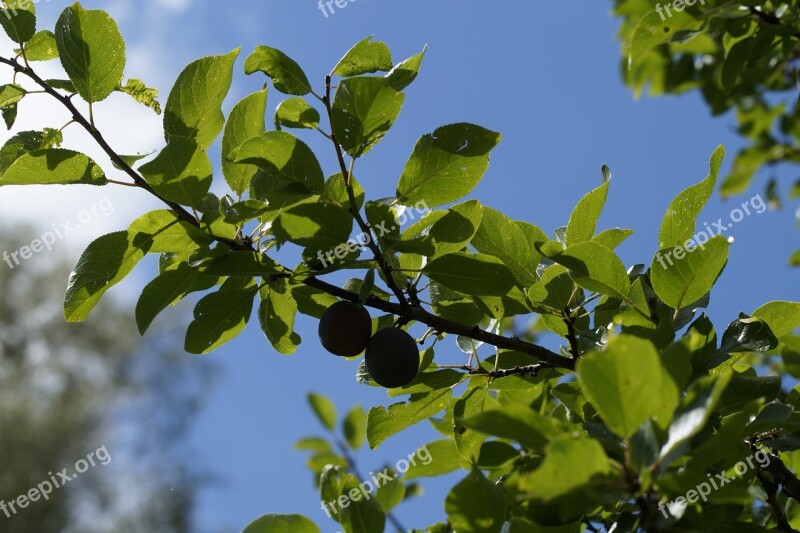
column 296, row 113
column 783, row 317
column 405, row 72
column 243, row 211
column 744, row 334
column 286, row 75
column 243, row 263
column 430, row 381
column 64, row 85
column 316, row 226
column 26, row 142
column 594, row 267
column 10, row 94
column 453, row 305
column 323, row 408
column 516, row 423
column 364, row 110
column 654, row 29
column 167, row 289
column 456, row 228
column 439, row 232
column 501, row 237
column 367, row 286
column 284, row 160
column 496, row 454
column 276, row 315
column 314, row 444
column 587, row 462
column 678, row 224
column 131, row 160
column 583, row 221
column 312, row 302
column 363, row 58
column 103, row 264
column 468, row 441
column 446, row 164
column 221, row 315
column 681, row 276
column 382, row 423
column 794, row 260
column 354, row 427
column 193, row 107
column 9, row 114
column 391, row 494
column 553, row 293
column 42, row 46
column 359, row 514
column 181, row 173
column 696, row 407
column 612, row 382
column 143, row 94
column 611, row 238
column 91, row 50
column 274, row 523
column 335, row 192
column 442, row 459
column 18, row 21
column 245, row 121
column 476, row 505
column 474, row 274
column 161, row 231
column 53, row 166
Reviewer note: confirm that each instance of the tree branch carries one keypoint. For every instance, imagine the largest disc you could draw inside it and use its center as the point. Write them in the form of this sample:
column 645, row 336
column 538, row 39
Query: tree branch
column 409, row 313
column 351, row 462
column 376, row 250
column 443, row 325
column 572, row 336
column 771, row 488
column 768, row 18
column 783, row 476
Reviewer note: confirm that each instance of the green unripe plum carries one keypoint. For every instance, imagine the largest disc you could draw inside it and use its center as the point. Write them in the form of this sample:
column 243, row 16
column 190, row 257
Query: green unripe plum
column 345, row 329
column 392, row 358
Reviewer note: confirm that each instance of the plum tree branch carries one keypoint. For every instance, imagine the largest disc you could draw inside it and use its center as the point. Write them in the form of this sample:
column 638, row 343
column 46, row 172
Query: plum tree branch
column 373, row 246
column 443, row 325
column 771, row 488
column 407, row 312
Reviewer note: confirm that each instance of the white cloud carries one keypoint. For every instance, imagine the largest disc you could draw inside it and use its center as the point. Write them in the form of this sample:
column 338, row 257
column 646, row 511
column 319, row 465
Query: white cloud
column 129, row 128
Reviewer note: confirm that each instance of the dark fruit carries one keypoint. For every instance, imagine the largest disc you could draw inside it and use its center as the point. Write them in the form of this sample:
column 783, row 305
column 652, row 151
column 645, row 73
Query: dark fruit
column 392, row 358
column 345, row 329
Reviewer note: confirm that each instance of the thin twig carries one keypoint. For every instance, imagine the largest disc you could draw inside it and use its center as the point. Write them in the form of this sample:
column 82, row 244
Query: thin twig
column 354, row 211
column 771, row 488
column 351, row 462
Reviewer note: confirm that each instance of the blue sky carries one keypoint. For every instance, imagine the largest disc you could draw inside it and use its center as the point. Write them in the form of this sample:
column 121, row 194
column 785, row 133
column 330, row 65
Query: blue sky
column 544, row 74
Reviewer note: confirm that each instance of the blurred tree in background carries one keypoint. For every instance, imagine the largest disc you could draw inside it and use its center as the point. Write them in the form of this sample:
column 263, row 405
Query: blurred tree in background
column 742, row 57
column 68, row 389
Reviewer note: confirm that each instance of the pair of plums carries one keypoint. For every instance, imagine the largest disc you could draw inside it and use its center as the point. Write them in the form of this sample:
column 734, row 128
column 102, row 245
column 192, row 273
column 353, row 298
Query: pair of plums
column 391, row 355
